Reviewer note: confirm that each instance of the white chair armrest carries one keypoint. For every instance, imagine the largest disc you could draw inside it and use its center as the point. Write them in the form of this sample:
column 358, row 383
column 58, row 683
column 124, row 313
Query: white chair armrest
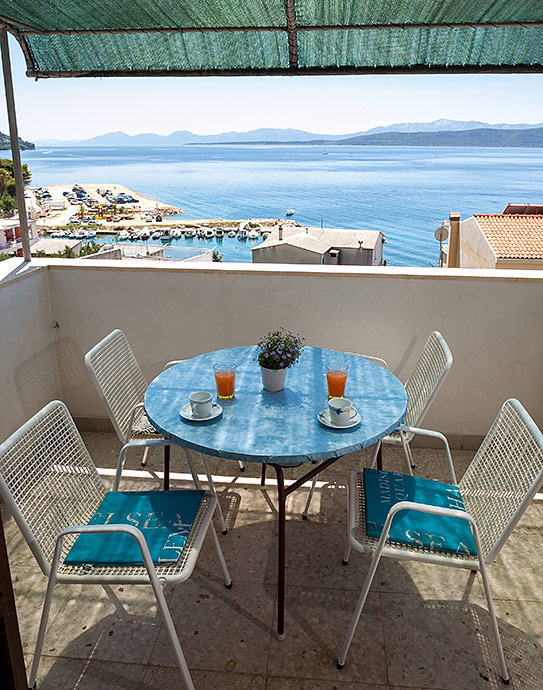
column 141, row 443
column 378, row 360
column 433, row 434
column 171, row 363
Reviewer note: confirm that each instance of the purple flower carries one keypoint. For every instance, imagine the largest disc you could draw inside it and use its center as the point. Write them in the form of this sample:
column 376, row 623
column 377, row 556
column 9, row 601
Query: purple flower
column 265, row 354
column 283, row 357
column 281, row 364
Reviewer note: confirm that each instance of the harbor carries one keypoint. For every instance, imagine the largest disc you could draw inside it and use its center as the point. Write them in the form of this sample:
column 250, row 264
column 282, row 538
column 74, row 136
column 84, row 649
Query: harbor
column 111, row 213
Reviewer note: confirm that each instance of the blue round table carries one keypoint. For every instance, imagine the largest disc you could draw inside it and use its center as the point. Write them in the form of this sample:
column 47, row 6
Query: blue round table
column 280, row 429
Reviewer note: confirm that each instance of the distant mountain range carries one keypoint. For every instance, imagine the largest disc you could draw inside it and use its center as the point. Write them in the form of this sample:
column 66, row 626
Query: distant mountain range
column 5, row 144
column 293, row 136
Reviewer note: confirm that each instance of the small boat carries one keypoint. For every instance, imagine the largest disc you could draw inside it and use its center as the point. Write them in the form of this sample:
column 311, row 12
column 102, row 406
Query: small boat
column 166, row 238
column 144, row 235
column 124, row 235
column 156, row 235
column 242, row 234
column 253, row 234
column 232, row 233
column 91, row 234
column 210, row 234
column 189, row 232
column 289, row 212
column 265, row 232
column 219, row 232
column 177, row 233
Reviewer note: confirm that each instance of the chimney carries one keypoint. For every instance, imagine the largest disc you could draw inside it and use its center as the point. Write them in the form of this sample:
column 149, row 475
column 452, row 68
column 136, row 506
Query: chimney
column 454, row 241
column 280, row 232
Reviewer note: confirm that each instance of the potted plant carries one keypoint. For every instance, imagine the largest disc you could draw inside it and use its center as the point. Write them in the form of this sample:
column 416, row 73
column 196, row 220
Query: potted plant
column 277, row 352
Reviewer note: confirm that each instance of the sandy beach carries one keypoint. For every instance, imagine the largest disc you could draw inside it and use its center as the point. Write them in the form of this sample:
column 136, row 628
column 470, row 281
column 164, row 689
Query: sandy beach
column 141, row 214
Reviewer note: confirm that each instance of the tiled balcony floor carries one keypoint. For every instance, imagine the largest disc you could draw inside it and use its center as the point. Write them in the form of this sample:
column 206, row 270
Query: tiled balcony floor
column 423, row 626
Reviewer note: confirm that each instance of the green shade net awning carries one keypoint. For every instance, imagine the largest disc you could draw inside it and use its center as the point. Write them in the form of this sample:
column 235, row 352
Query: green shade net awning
column 214, row 37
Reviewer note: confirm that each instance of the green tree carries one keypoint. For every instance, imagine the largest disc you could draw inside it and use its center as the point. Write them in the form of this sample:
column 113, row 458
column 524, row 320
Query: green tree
column 90, row 248
column 3, row 257
column 216, row 256
column 8, row 199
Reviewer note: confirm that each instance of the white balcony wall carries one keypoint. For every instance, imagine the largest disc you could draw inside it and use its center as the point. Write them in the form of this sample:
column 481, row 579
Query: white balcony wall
column 29, row 372
column 491, row 320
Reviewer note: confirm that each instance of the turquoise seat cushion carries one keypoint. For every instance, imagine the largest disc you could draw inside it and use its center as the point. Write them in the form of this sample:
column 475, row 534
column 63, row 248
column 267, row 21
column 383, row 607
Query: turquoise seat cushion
column 433, row 532
column 165, row 518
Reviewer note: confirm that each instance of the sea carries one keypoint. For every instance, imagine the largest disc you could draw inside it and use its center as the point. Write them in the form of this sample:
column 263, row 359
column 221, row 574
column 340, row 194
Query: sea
column 405, row 192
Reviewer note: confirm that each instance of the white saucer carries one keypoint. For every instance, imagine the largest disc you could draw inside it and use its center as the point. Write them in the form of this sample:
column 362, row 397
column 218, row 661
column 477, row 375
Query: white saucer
column 324, row 418
column 186, row 413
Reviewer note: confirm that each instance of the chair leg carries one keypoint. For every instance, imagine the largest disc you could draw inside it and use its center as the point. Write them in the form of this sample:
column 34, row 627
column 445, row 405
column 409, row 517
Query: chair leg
column 214, row 492
column 311, row 491
column 227, row 578
column 495, row 629
column 346, row 555
column 43, row 626
column 375, row 454
column 407, row 453
column 145, row 454
column 170, row 627
column 358, row 610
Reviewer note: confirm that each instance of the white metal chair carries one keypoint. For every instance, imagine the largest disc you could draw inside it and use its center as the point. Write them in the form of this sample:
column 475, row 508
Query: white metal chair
column 52, row 488
column 121, row 384
column 422, row 386
column 498, row 486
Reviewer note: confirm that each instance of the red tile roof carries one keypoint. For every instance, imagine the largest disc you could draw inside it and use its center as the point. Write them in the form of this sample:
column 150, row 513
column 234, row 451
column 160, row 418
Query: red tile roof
column 513, row 236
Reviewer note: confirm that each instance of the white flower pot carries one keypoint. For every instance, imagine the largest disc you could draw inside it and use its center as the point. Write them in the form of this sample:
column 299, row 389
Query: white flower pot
column 273, row 379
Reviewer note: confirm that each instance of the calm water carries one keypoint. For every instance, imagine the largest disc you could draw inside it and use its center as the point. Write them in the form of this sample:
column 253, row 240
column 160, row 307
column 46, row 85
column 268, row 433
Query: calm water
column 398, row 190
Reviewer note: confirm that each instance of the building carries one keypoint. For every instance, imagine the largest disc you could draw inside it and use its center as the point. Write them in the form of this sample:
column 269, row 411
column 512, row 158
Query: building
column 512, row 239
column 50, row 246
column 10, row 234
column 295, row 245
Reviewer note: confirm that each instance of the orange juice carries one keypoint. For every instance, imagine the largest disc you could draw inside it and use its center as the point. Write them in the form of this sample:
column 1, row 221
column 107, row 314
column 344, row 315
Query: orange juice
column 225, row 383
column 336, row 383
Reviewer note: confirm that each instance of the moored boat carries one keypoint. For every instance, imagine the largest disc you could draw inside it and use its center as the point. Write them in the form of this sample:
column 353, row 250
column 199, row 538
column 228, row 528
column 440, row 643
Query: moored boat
column 289, row 212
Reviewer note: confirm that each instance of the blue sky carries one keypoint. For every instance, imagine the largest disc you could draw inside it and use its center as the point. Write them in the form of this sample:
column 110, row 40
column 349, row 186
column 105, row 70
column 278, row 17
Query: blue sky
column 82, row 108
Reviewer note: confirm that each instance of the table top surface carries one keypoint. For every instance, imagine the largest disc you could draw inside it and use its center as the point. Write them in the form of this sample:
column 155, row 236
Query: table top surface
column 282, row 427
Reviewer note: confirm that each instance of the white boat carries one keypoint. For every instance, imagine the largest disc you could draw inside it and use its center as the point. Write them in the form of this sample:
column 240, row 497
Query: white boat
column 219, row 232
column 253, row 234
column 289, row 212
column 177, row 233
column 189, row 232
column 242, row 234
column 91, row 234
column 201, row 233
column 124, row 235
column 156, row 235
column 232, row 233
column 265, row 232
column 210, row 233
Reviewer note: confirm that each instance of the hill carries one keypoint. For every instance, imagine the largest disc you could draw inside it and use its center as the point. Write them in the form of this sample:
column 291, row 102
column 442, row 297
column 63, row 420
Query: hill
column 521, row 138
column 5, row 144
column 270, row 135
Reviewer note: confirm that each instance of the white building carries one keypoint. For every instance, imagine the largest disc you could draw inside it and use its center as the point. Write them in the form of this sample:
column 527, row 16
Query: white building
column 294, row 245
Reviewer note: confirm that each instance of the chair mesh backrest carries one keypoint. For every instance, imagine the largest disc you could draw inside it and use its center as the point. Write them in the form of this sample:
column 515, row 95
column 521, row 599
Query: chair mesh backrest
column 47, row 474
column 118, row 378
column 426, row 378
column 504, row 475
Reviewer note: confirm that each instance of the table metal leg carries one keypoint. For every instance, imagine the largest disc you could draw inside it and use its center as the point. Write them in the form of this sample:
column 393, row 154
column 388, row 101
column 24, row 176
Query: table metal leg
column 263, row 475
column 380, row 457
column 281, row 552
column 166, row 468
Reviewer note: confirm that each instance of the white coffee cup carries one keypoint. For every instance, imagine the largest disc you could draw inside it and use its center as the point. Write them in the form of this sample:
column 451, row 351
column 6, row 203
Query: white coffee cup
column 341, row 410
column 200, row 403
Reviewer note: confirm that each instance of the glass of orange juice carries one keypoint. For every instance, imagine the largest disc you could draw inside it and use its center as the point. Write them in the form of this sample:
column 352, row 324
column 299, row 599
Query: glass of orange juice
column 336, row 375
column 225, row 377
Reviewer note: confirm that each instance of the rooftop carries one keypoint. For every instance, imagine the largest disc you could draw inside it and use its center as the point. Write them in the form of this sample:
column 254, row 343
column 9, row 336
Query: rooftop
column 513, row 236
column 320, row 240
column 424, row 626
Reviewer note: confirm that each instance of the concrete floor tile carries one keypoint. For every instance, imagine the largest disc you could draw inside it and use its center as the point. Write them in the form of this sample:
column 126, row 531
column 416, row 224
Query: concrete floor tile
column 249, row 550
column 158, row 677
column 77, row 674
column 522, row 553
column 113, row 623
column 427, row 580
column 300, row 684
column 438, row 644
column 316, row 622
column 219, row 629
